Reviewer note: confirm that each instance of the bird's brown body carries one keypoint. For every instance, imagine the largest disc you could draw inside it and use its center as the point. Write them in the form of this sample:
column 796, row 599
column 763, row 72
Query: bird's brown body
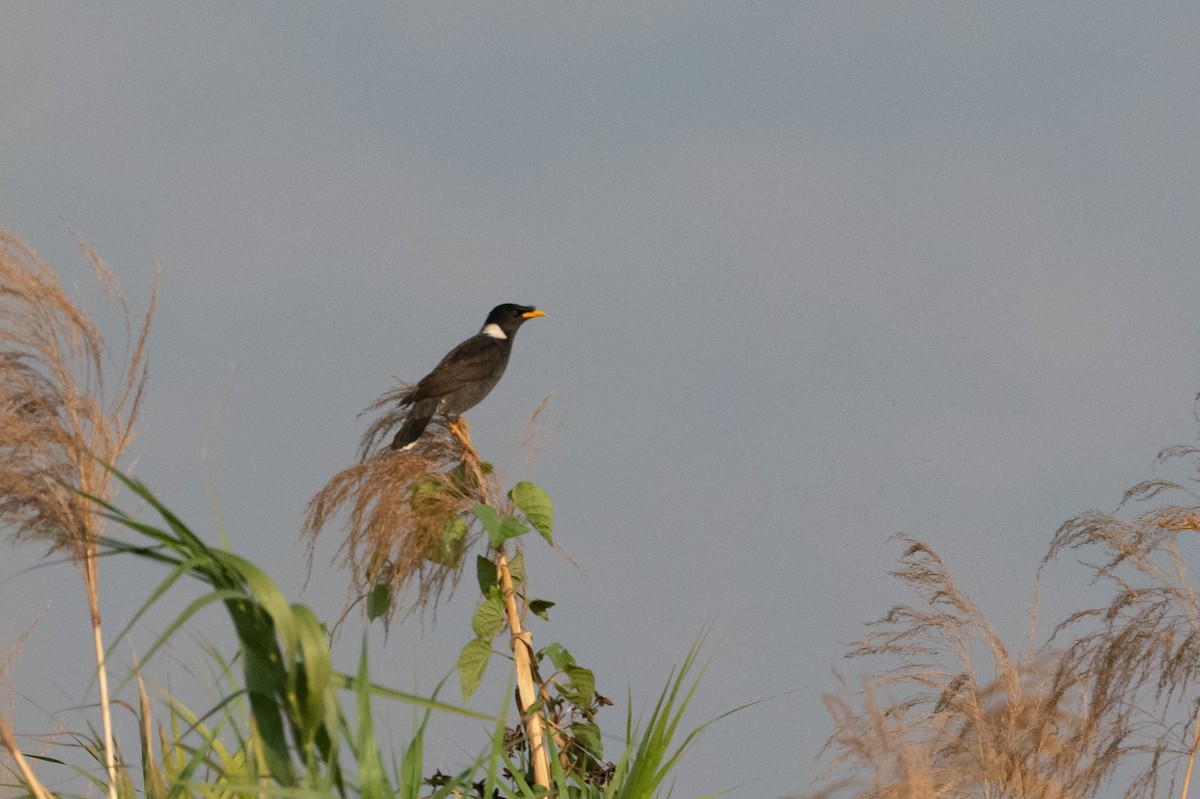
column 465, row 376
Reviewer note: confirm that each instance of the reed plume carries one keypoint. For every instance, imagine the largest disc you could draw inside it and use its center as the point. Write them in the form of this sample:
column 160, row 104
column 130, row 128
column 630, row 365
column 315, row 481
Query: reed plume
column 401, row 508
column 951, row 712
column 61, row 425
column 1137, row 657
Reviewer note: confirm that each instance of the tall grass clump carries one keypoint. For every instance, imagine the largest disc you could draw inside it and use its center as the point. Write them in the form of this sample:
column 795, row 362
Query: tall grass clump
column 66, row 410
column 949, row 710
column 284, row 722
column 1137, row 657
column 297, row 729
column 1108, row 705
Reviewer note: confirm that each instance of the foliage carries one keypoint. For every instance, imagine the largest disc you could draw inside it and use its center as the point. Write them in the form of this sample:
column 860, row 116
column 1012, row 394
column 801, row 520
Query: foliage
column 286, row 723
column 567, row 697
column 283, row 728
column 298, row 725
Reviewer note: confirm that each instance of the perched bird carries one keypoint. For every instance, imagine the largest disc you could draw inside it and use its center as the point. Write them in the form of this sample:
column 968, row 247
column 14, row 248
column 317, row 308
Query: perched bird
column 465, row 375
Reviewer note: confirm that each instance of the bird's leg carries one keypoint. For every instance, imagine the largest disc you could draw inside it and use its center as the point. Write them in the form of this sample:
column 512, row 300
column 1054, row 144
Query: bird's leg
column 460, row 430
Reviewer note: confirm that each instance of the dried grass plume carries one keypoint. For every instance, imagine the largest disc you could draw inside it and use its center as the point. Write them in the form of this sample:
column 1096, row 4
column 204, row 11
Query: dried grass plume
column 1137, row 657
column 951, row 712
column 406, row 512
column 62, row 425
column 61, row 421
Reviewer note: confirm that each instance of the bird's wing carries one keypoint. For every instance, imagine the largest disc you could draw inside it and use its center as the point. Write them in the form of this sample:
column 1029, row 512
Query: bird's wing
column 474, row 359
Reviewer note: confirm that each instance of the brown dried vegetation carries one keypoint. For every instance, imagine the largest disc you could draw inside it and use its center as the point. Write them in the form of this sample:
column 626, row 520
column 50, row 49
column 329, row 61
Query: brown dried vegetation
column 397, row 508
column 1107, row 706
column 1138, row 657
column 61, row 427
column 971, row 719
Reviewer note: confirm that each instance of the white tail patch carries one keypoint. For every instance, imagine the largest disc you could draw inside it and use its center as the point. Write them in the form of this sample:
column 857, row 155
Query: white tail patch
column 492, row 329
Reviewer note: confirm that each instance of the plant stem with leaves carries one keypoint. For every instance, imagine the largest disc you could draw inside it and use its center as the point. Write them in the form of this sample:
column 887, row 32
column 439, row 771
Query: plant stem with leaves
column 527, row 692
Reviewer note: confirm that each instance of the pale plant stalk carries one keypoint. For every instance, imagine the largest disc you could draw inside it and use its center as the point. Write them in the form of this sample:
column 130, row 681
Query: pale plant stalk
column 527, row 692
column 61, row 428
column 91, row 579
column 521, row 639
column 8, row 741
column 93, row 592
column 1187, row 777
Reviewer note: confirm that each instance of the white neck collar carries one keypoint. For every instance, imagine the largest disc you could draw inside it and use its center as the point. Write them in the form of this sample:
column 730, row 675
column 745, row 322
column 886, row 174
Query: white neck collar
column 492, row 329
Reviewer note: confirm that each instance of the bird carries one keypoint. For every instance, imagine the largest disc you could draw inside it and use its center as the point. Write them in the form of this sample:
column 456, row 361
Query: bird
column 465, row 376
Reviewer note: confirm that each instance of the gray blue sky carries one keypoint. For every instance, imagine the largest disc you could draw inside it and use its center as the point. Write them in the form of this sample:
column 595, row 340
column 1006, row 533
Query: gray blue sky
column 815, row 273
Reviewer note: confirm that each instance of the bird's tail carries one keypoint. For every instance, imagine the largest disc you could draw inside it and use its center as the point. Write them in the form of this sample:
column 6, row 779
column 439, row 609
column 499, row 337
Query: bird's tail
column 393, row 408
column 411, row 430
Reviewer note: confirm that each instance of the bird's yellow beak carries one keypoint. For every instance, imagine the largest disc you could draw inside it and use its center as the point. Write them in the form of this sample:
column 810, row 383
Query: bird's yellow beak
column 533, row 314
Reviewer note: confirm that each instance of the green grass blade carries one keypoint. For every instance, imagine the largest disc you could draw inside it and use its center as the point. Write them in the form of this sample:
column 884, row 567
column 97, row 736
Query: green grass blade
column 373, row 781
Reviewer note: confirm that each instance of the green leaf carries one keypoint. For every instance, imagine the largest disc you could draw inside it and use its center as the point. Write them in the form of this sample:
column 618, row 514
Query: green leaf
column 583, row 685
column 540, row 608
column 472, row 663
column 426, row 484
column 499, row 527
column 428, row 497
column 379, row 600
column 455, row 531
column 534, row 502
column 310, row 677
column 559, row 656
column 516, row 568
column 412, row 766
column 587, row 738
column 485, row 571
column 346, row 682
column 459, row 472
column 511, row 527
column 372, row 776
column 448, row 551
column 488, row 618
column 489, row 517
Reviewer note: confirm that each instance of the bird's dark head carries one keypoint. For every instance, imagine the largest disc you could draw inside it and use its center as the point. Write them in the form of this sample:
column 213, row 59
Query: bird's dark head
column 504, row 320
